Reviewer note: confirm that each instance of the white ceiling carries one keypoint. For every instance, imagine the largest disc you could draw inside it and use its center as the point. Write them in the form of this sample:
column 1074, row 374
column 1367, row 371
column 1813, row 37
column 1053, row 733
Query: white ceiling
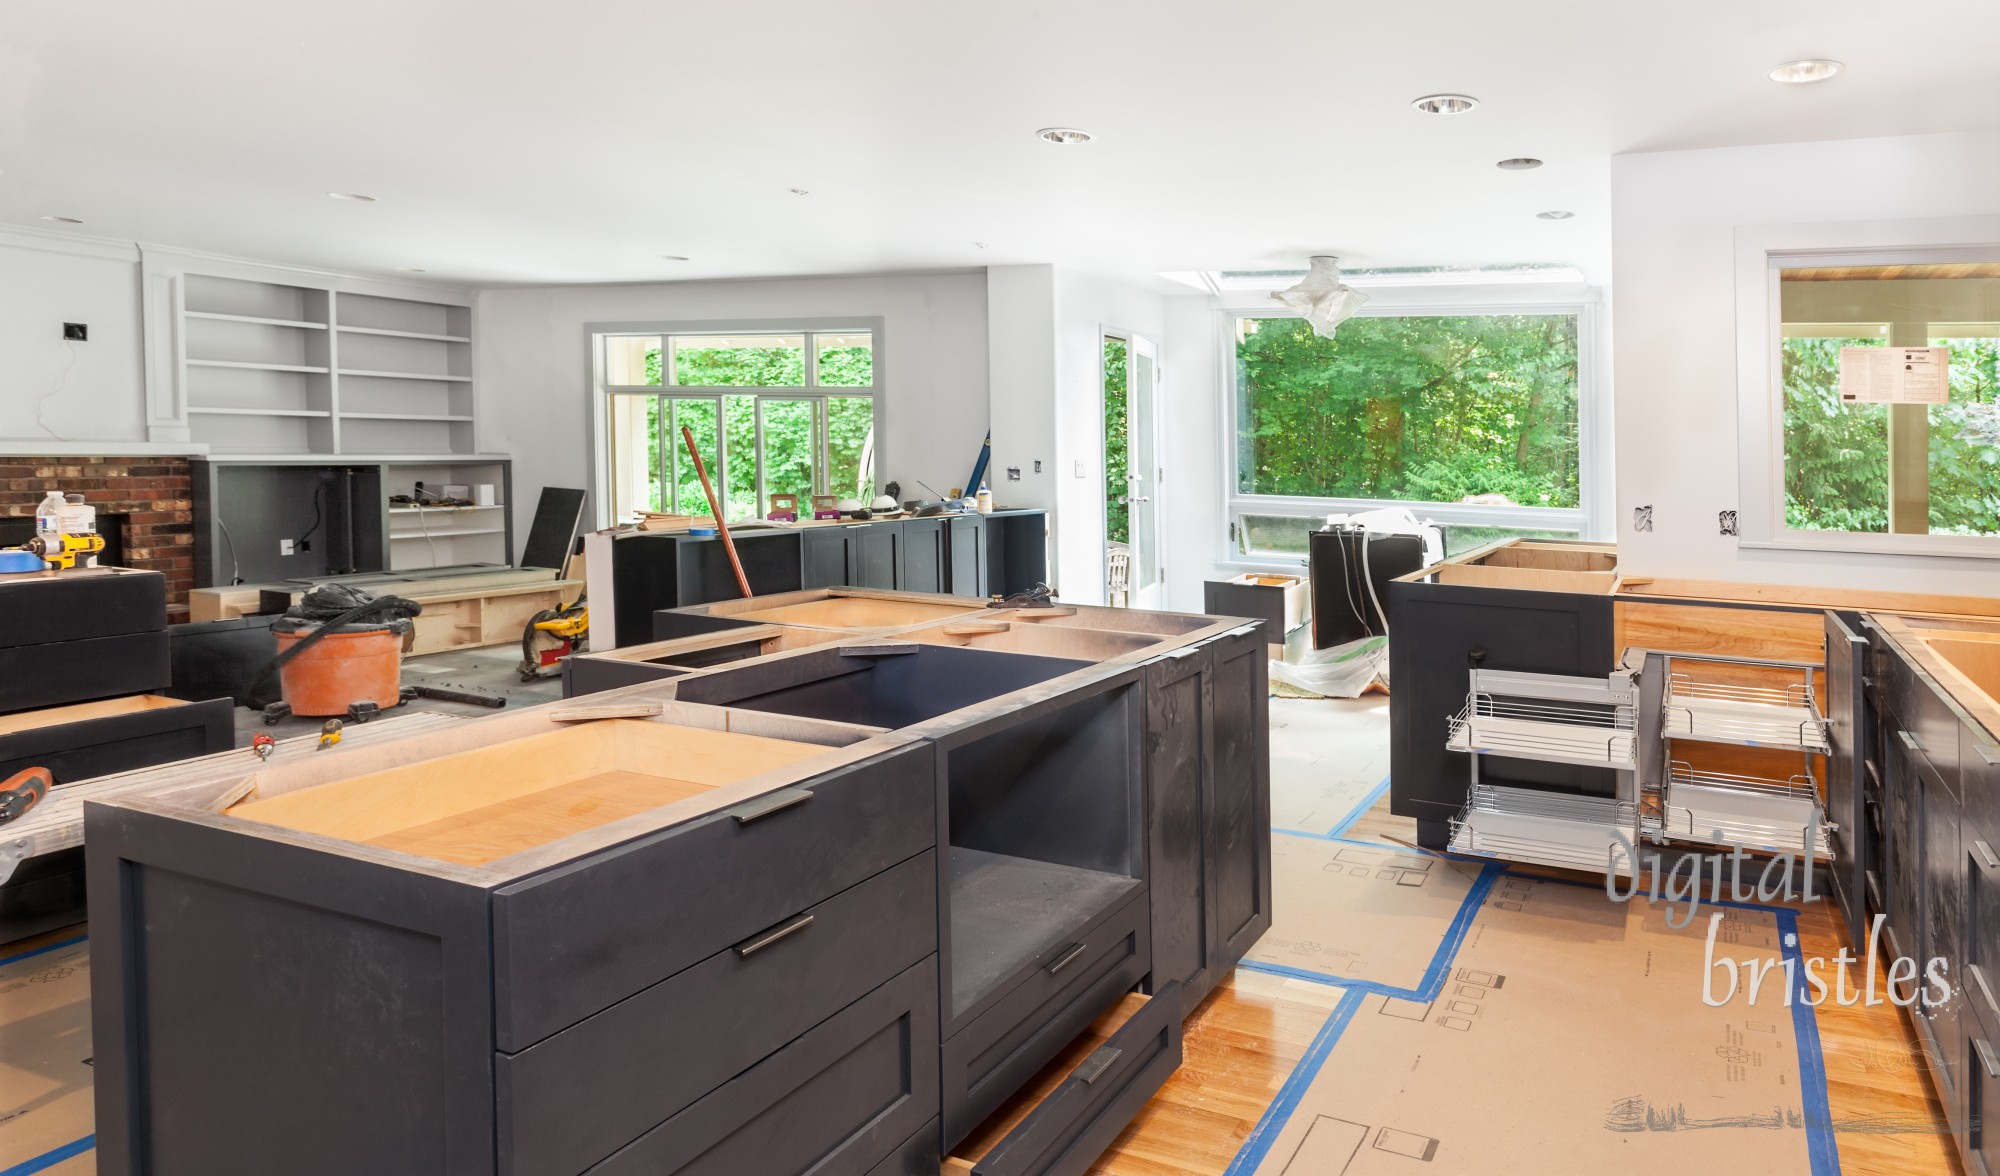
column 518, row 142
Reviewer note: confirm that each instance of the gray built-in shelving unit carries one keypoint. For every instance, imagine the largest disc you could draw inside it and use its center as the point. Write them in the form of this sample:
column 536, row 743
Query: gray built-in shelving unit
column 271, row 368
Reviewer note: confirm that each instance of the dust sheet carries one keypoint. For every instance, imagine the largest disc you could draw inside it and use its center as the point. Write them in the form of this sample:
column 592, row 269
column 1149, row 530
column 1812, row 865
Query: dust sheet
column 1568, row 1035
column 45, row 1073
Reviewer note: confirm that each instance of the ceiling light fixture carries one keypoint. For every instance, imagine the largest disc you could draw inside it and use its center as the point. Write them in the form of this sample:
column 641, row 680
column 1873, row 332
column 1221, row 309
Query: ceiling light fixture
column 64, row 220
column 354, row 196
column 1066, row 136
column 1805, row 71
column 798, row 191
column 1556, row 214
column 1322, row 299
column 1446, row 103
column 1519, row 163
column 672, row 257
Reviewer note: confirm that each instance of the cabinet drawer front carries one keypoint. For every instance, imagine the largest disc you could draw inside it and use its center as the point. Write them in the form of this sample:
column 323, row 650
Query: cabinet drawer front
column 986, row 1060
column 575, row 1098
column 1979, row 1136
column 587, row 935
column 918, row 1156
column 1924, row 721
column 1069, row 1129
column 836, row 1102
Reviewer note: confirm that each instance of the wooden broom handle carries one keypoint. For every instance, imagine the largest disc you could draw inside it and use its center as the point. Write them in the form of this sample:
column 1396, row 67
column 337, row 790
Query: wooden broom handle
column 715, row 508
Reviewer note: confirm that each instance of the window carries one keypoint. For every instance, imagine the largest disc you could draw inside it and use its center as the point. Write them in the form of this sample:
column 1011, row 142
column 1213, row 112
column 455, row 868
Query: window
column 772, row 412
column 1856, row 467
column 1477, row 416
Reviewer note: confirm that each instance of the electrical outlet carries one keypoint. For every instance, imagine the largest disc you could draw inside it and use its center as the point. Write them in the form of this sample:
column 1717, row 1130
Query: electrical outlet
column 1081, row 470
column 76, row 332
column 284, row 547
column 1013, row 473
column 1038, row 465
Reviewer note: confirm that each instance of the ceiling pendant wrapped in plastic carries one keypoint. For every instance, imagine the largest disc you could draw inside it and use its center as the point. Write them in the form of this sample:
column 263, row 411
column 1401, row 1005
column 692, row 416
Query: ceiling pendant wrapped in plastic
column 1322, row 299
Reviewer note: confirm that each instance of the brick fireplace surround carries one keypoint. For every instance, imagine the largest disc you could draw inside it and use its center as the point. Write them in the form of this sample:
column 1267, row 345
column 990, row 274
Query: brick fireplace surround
column 154, row 492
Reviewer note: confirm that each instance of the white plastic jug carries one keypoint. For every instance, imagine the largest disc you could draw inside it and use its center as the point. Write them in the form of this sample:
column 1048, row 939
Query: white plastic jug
column 48, row 519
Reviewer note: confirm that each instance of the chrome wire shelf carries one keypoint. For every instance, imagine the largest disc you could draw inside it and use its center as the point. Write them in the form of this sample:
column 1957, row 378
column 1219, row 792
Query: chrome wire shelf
column 1750, row 716
column 1546, row 828
column 1757, row 813
column 1558, row 732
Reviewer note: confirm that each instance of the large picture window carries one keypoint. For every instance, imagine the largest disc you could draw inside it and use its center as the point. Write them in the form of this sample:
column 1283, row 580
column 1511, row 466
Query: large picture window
column 1476, row 418
column 772, row 412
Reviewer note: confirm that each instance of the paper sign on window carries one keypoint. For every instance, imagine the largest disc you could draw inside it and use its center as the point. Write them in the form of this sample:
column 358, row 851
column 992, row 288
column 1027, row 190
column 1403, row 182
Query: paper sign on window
column 1894, row 375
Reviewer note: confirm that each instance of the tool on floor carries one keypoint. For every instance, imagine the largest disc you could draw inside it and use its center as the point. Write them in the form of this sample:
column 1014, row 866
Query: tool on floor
column 552, row 635
column 329, row 734
column 22, row 791
column 715, row 509
column 470, row 697
column 263, row 745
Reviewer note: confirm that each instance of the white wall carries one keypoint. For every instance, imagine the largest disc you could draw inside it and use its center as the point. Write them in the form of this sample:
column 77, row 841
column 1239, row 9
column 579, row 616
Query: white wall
column 94, row 390
column 1195, row 522
column 1674, row 216
column 1021, row 361
column 533, row 367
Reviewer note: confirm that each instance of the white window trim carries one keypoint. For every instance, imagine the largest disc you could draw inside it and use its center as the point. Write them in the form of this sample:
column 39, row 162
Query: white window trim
column 1591, row 519
column 1761, row 250
column 599, row 457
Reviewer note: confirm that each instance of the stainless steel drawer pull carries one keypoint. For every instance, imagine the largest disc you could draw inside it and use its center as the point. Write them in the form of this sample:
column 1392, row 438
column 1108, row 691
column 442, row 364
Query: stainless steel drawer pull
column 764, row 806
column 1978, row 975
column 1065, row 959
column 1987, row 1058
column 1909, row 741
column 1986, row 855
column 786, row 929
column 1093, row 1067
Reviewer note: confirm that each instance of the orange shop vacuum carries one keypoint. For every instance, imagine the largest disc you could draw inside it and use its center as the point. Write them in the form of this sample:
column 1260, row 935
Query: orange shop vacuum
column 340, row 654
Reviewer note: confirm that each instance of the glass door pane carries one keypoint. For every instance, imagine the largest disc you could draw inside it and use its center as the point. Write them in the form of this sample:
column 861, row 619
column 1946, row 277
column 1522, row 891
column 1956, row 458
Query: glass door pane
column 1143, row 476
column 698, row 416
column 786, row 446
column 739, row 454
column 850, row 447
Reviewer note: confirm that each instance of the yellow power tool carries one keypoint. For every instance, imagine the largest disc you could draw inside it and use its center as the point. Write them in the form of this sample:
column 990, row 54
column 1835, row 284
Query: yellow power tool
column 71, row 549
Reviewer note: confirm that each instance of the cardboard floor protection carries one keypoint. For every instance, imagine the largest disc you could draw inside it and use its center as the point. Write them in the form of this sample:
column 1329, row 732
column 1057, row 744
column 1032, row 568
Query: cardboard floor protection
column 1362, row 914
column 45, row 1078
column 1568, row 1034
column 1328, row 757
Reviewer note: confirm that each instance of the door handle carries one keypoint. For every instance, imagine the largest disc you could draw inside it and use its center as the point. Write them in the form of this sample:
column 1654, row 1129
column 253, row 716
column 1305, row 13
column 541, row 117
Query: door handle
column 1978, row 975
column 1987, row 1058
column 1093, row 1067
column 764, row 939
column 764, row 806
column 1142, row 498
column 1986, row 855
column 1065, row 959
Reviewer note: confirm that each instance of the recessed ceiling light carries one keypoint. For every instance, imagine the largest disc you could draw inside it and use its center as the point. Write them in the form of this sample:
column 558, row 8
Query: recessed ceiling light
column 64, row 220
column 1067, row 136
column 1805, row 70
column 1519, row 163
column 1445, row 103
column 355, row 196
column 798, row 191
column 979, row 244
column 672, row 257
column 1556, row 214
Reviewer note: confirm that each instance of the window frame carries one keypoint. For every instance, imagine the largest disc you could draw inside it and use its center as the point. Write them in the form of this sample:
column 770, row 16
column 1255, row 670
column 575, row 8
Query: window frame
column 1590, row 519
column 602, row 391
column 1761, row 252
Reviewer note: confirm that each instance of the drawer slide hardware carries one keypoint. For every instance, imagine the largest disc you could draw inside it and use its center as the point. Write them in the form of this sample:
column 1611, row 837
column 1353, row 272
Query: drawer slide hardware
column 1065, row 959
column 765, row 806
column 1093, row 1067
column 764, row 939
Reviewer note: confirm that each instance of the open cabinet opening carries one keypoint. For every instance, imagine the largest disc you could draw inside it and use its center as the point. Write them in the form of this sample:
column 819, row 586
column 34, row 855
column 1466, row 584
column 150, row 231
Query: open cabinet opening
column 478, row 806
column 867, row 688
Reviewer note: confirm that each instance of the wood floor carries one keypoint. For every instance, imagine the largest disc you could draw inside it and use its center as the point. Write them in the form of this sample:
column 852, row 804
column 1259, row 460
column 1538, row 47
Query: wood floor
column 1243, row 1042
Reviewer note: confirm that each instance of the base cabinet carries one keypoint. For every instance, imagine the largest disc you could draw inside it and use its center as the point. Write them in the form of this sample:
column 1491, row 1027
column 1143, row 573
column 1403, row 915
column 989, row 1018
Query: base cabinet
column 923, row 561
column 854, row 555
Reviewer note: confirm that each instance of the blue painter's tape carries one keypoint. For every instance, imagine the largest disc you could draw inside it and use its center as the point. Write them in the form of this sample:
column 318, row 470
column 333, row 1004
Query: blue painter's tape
column 1432, row 981
column 1347, row 822
column 1822, row 1148
column 38, row 951
column 1279, row 1113
column 50, row 1159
